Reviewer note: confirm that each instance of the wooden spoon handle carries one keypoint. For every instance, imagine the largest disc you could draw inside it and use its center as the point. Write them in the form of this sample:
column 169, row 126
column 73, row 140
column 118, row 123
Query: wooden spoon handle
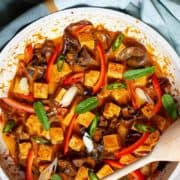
column 130, row 168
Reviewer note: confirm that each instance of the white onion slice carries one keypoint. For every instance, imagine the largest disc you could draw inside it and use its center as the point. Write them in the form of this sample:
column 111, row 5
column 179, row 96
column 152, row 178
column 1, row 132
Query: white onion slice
column 143, row 96
column 47, row 172
column 88, row 142
column 69, row 96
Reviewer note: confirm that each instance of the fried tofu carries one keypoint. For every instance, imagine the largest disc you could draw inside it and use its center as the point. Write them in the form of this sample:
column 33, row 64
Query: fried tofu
column 148, row 110
column 55, row 75
column 142, row 81
column 86, row 39
column 111, row 142
column 104, row 171
column 60, row 95
column 121, row 96
column 24, row 149
column 91, row 78
column 56, row 135
column 21, row 86
column 127, row 159
column 111, row 110
column 82, row 174
column 76, row 143
column 45, row 153
column 115, row 70
column 33, row 125
column 85, row 119
column 41, row 90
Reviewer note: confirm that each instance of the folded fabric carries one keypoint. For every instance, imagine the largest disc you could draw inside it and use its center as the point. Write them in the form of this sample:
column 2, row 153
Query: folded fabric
column 163, row 15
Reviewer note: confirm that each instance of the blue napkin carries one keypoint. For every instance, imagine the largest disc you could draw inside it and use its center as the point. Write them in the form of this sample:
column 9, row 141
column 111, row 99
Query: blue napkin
column 162, row 15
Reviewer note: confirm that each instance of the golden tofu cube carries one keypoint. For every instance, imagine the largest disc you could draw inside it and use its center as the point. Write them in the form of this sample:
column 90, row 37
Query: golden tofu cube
column 33, row 125
column 21, row 86
column 115, row 70
column 45, row 153
column 148, row 110
column 127, row 159
column 111, row 110
column 76, row 143
column 55, row 75
column 82, row 174
column 56, row 135
column 60, row 95
column 121, row 96
column 52, row 87
column 91, row 78
column 142, row 81
column 86, row 39
column 111, row 142
column 40, row 90
column 104, row 171
column 85, row 119
column 24, row 149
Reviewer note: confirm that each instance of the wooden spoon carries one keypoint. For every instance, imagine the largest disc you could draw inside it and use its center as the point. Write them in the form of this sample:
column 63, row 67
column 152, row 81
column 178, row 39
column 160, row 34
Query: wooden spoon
column 167, row 149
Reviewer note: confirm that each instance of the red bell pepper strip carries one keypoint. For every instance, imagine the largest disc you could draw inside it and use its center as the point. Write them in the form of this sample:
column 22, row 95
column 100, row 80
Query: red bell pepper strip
column 68, row 134
column 137, row 174
column 132, row 147
column 51, row 61
column 29, row 97
column 75, row 78
column 29, row 164
column 132, row 93
column 28, row 52
column 158, row 91
column 19, row 106
column 102, row 77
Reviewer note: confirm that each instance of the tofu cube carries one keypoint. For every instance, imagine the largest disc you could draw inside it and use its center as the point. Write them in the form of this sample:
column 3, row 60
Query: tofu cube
column 148, row 110
column 55, row 75
column 142, row 81
column 76, row 143
column 85, row 119
column 121, row 96
column 86, row 39
column 21, row 86
column 40, row 90
column 111, row 110
column 111, row 142
column 45, row 153
column 91, row 78
column 56, row 135
column 104, row 171
column 115, row 70
column 60, row 95
column 82, row 174
column 127, row 159
column 24, row 149
column 33, row 125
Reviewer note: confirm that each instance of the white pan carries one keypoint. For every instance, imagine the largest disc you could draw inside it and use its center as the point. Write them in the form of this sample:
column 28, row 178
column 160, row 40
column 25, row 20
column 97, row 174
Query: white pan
column 53, row 25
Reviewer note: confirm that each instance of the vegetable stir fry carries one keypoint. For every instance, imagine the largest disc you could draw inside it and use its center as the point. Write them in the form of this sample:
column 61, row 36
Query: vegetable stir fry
column 86, row 104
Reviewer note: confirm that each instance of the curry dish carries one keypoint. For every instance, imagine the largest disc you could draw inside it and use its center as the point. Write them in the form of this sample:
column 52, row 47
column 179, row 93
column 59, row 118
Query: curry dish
column 86, row 104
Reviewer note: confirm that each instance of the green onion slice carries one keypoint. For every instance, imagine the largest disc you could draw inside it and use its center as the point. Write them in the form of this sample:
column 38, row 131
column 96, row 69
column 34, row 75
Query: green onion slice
column 118, row 41
column 93, row 126
column 92, row 175
column 86, row 105
column 169, row 105
column 143, row 128
column 116, row 85
column 9, row 126
column 41, row 114
column 137, row 73
column 60, row 63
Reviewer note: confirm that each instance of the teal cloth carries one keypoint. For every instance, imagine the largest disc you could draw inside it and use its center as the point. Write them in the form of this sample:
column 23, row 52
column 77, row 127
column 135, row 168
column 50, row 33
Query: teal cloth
column 162, row 15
